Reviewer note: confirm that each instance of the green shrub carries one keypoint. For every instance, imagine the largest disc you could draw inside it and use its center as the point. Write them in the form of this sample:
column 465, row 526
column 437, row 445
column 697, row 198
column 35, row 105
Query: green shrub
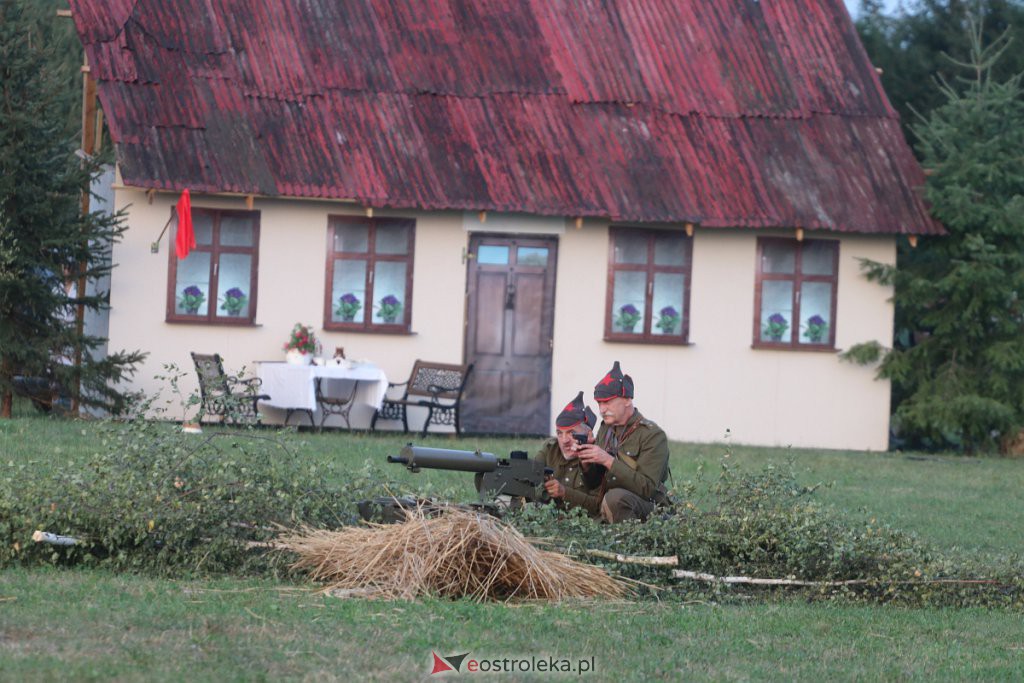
column 158, row 500
column 767, row 525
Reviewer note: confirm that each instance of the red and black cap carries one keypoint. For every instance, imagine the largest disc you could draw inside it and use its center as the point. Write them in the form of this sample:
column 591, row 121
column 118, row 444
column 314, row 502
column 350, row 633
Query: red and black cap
column 614, row 384
column 575, row 413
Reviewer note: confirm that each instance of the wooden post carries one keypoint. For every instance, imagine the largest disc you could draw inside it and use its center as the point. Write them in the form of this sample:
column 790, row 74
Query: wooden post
column 689, row 229
column 579, row 222
column 89, row 126
column 482, row 216
column 913, row 241
column 250, row 200
column 799, row 234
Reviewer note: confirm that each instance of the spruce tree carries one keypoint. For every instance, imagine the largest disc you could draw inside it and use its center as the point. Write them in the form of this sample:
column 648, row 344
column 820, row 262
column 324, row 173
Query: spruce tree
column 44, row 237
column 957, row 365
column 911, row 46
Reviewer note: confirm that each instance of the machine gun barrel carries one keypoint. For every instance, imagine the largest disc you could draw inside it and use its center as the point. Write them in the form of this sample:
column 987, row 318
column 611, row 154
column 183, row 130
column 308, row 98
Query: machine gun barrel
column 516, row 476
column 415, row 457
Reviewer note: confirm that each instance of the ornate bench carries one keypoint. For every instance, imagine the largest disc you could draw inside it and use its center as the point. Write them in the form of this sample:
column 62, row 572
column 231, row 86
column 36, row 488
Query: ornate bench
column 437, row 387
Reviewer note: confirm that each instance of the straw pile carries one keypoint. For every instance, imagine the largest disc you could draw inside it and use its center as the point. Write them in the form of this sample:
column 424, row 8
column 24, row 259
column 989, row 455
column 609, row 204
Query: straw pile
column 457, row 554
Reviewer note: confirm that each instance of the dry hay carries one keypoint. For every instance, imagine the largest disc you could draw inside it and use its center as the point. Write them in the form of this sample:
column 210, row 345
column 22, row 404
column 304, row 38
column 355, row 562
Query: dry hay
column 457, row 554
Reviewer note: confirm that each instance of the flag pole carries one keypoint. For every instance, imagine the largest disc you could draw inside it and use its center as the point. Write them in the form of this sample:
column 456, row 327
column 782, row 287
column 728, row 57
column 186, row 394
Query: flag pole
column 155, row 246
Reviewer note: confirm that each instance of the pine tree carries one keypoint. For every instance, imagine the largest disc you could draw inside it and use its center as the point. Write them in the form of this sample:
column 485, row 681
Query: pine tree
column 957, row 365
column 43, row 235
column 911, row 46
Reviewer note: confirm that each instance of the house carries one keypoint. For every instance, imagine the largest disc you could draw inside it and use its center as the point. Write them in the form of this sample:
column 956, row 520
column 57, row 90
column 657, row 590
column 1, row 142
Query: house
column 539, row 187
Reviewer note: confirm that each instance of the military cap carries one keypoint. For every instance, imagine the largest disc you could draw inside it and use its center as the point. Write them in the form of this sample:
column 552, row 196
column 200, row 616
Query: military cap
column 575, row 413
column 614, row 384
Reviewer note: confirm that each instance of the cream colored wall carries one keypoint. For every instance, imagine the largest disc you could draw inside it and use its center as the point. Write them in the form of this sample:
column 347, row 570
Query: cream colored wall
column 719, row 383
column 292, row 256
column 696, row 393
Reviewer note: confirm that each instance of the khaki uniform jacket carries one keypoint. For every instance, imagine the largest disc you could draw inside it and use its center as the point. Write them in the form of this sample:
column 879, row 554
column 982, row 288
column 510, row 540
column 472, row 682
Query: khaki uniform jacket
column 640, row 449
column 570, row 475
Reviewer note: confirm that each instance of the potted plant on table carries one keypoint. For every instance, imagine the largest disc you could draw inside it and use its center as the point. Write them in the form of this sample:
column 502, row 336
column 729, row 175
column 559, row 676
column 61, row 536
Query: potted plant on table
column 668, row 320
column 302, row 344
column 348, row 306
column 390, row 308
column 234, row 301
column 775, row 328
column 628, row 317
column 191, row 299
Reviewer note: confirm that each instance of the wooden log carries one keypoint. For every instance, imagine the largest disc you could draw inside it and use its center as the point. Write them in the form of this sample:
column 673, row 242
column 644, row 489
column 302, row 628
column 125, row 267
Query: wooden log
column 669, row 561
column 711, row 578
column 53, row 539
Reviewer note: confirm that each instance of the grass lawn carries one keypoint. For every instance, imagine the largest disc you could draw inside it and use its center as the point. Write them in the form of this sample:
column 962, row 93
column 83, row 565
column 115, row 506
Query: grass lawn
column 82, row 624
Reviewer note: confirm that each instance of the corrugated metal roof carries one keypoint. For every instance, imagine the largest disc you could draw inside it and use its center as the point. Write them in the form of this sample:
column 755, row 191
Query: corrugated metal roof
column 726, row 113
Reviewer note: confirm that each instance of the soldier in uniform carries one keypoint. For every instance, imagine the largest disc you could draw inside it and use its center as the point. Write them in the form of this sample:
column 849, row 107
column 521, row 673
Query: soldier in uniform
column 631, row 447
column 572, row 484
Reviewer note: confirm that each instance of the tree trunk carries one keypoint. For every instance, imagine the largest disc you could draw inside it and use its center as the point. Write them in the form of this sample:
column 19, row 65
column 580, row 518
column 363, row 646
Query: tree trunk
column 7, row 397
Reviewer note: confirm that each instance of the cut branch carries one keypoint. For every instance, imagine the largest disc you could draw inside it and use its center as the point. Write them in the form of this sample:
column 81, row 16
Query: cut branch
column 54, row 539
column 669, row 561
column 700, row 576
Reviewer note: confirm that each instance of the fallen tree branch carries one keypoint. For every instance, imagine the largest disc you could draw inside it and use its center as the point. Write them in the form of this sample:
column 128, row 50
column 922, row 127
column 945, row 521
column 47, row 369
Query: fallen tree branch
column 669, row 561
column 53, row 539
column 700, row 576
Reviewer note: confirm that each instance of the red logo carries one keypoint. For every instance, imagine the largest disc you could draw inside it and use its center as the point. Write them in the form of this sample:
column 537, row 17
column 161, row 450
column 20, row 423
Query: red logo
column 608, row 379
column 449, row 663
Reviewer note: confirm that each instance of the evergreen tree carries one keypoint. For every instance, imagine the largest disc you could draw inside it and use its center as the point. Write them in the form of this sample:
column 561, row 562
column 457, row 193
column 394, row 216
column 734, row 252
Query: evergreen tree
column 958, row 362
column 911, row 47
column 44, row 238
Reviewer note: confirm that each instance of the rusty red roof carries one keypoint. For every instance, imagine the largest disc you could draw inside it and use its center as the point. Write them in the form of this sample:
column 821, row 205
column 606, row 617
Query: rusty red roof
column 727, row 113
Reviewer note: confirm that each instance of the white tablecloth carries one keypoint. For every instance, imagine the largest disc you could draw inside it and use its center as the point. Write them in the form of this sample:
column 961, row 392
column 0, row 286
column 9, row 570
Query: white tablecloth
column 292, row 386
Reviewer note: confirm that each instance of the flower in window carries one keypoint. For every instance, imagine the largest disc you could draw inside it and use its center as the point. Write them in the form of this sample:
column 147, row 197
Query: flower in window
column 191, row 299
column 668, row 319
column 775, row 328
column 348, row 305
column 817, row 329
column 234, row 301
column 302, row 339
column 390, row 308
column 629, row 316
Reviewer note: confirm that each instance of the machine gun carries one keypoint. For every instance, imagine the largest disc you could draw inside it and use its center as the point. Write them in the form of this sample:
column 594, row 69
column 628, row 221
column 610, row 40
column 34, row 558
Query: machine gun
column 517, row 476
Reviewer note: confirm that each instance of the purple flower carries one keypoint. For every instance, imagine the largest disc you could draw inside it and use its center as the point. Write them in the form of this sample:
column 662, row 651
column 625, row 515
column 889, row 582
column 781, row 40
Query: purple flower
column 389, row 300
column 349, row 298
column 816, row 320
column 629, row 309
column 235, row 293
column 776, row 319
column 192, row 290
column 669, row 312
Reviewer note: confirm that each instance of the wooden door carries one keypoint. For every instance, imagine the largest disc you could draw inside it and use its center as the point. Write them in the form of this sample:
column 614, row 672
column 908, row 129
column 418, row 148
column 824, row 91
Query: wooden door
column 509, row 322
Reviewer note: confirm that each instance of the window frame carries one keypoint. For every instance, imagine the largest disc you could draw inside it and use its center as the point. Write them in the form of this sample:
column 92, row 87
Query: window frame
column 367, row 326
column 215, row 249
column 798, row 278
column 650, row 269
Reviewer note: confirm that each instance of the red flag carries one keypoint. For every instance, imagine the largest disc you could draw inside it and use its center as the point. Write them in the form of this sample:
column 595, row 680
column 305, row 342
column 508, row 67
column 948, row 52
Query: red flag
column 185, row 240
